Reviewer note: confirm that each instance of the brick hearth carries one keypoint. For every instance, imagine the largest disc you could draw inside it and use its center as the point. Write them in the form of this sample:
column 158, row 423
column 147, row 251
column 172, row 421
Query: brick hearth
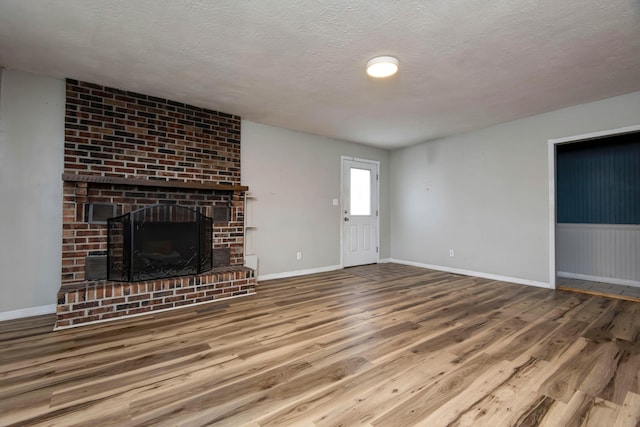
column 132, row 150
column 92, row 301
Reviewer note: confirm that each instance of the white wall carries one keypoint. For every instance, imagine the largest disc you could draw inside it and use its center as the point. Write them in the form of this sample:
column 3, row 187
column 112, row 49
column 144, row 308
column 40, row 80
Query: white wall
column 31, row 162
column 294, row 177
column 485, row 194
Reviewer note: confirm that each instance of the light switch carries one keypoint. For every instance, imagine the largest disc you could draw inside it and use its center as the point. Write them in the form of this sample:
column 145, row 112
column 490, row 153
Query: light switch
column 335, row 202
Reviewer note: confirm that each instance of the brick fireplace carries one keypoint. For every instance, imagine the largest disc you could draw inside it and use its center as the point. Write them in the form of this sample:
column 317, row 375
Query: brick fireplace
column 127, row 151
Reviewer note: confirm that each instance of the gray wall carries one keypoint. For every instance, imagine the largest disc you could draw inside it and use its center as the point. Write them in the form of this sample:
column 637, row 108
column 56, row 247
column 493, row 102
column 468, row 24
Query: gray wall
column 294, row 177
column 485, row 194
column 31, row 162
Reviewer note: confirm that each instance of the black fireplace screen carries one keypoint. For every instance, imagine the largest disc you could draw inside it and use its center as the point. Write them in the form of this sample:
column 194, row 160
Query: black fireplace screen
column 157, row 242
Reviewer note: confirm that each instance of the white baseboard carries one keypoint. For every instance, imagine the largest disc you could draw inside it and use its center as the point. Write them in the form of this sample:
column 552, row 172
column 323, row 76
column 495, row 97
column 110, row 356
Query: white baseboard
column 476, row 274
column 28, row 312
column 384, row 261
column 611, row 280
column 299, row 272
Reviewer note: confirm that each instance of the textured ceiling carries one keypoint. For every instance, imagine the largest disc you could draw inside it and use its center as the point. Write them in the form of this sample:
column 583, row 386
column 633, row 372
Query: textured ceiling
column 299, row 64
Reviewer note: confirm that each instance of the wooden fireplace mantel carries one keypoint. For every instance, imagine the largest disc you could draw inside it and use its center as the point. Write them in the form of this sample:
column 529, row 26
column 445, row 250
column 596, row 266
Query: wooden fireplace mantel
column 138, row 182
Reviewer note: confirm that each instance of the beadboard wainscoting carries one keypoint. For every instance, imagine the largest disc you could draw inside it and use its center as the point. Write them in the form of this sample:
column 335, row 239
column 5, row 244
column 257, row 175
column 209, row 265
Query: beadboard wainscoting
column 599, row 252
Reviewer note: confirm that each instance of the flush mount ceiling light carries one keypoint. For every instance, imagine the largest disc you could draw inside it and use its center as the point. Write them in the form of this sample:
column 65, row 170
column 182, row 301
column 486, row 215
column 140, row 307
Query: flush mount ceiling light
column 382, row 66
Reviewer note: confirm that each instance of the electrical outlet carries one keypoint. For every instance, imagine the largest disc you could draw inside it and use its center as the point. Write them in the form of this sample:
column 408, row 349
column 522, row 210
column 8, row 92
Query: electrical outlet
column 299, row 256
column 451, row 252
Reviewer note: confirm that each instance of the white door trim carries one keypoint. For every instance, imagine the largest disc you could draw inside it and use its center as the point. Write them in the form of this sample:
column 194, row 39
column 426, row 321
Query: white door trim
column 552, row 185
column 343, row 203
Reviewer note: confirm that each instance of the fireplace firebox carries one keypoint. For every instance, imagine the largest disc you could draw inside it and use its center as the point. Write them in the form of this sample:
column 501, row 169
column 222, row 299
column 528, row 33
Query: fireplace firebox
column 157, row 242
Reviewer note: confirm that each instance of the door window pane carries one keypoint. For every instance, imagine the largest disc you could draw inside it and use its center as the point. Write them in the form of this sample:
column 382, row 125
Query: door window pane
column 360, row 191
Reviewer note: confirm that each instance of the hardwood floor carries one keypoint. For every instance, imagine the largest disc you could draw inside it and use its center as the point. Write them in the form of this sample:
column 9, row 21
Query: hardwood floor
column 380, row 345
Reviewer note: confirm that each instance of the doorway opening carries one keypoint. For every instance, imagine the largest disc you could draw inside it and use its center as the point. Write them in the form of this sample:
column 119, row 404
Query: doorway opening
column 594, row 218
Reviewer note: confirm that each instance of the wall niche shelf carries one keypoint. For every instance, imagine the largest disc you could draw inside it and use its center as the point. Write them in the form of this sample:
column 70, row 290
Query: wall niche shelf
column 250, row 258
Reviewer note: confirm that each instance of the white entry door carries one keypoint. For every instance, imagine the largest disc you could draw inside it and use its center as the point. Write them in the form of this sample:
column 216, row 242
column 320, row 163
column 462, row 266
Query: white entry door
column 359, row 212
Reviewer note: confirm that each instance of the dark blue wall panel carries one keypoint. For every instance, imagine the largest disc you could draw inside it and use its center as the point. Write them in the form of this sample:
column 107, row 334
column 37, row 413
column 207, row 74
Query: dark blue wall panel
column 598, row 182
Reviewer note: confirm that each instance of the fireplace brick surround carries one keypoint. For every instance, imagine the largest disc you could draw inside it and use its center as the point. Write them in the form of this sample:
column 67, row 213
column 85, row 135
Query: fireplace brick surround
column 133, row 150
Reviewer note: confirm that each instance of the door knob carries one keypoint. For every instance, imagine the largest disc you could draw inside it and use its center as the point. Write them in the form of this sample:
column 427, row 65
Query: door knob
column 346, row 218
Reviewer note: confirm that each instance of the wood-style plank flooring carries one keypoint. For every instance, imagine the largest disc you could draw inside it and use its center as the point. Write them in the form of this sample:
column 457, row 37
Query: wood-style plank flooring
column 380, row 345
